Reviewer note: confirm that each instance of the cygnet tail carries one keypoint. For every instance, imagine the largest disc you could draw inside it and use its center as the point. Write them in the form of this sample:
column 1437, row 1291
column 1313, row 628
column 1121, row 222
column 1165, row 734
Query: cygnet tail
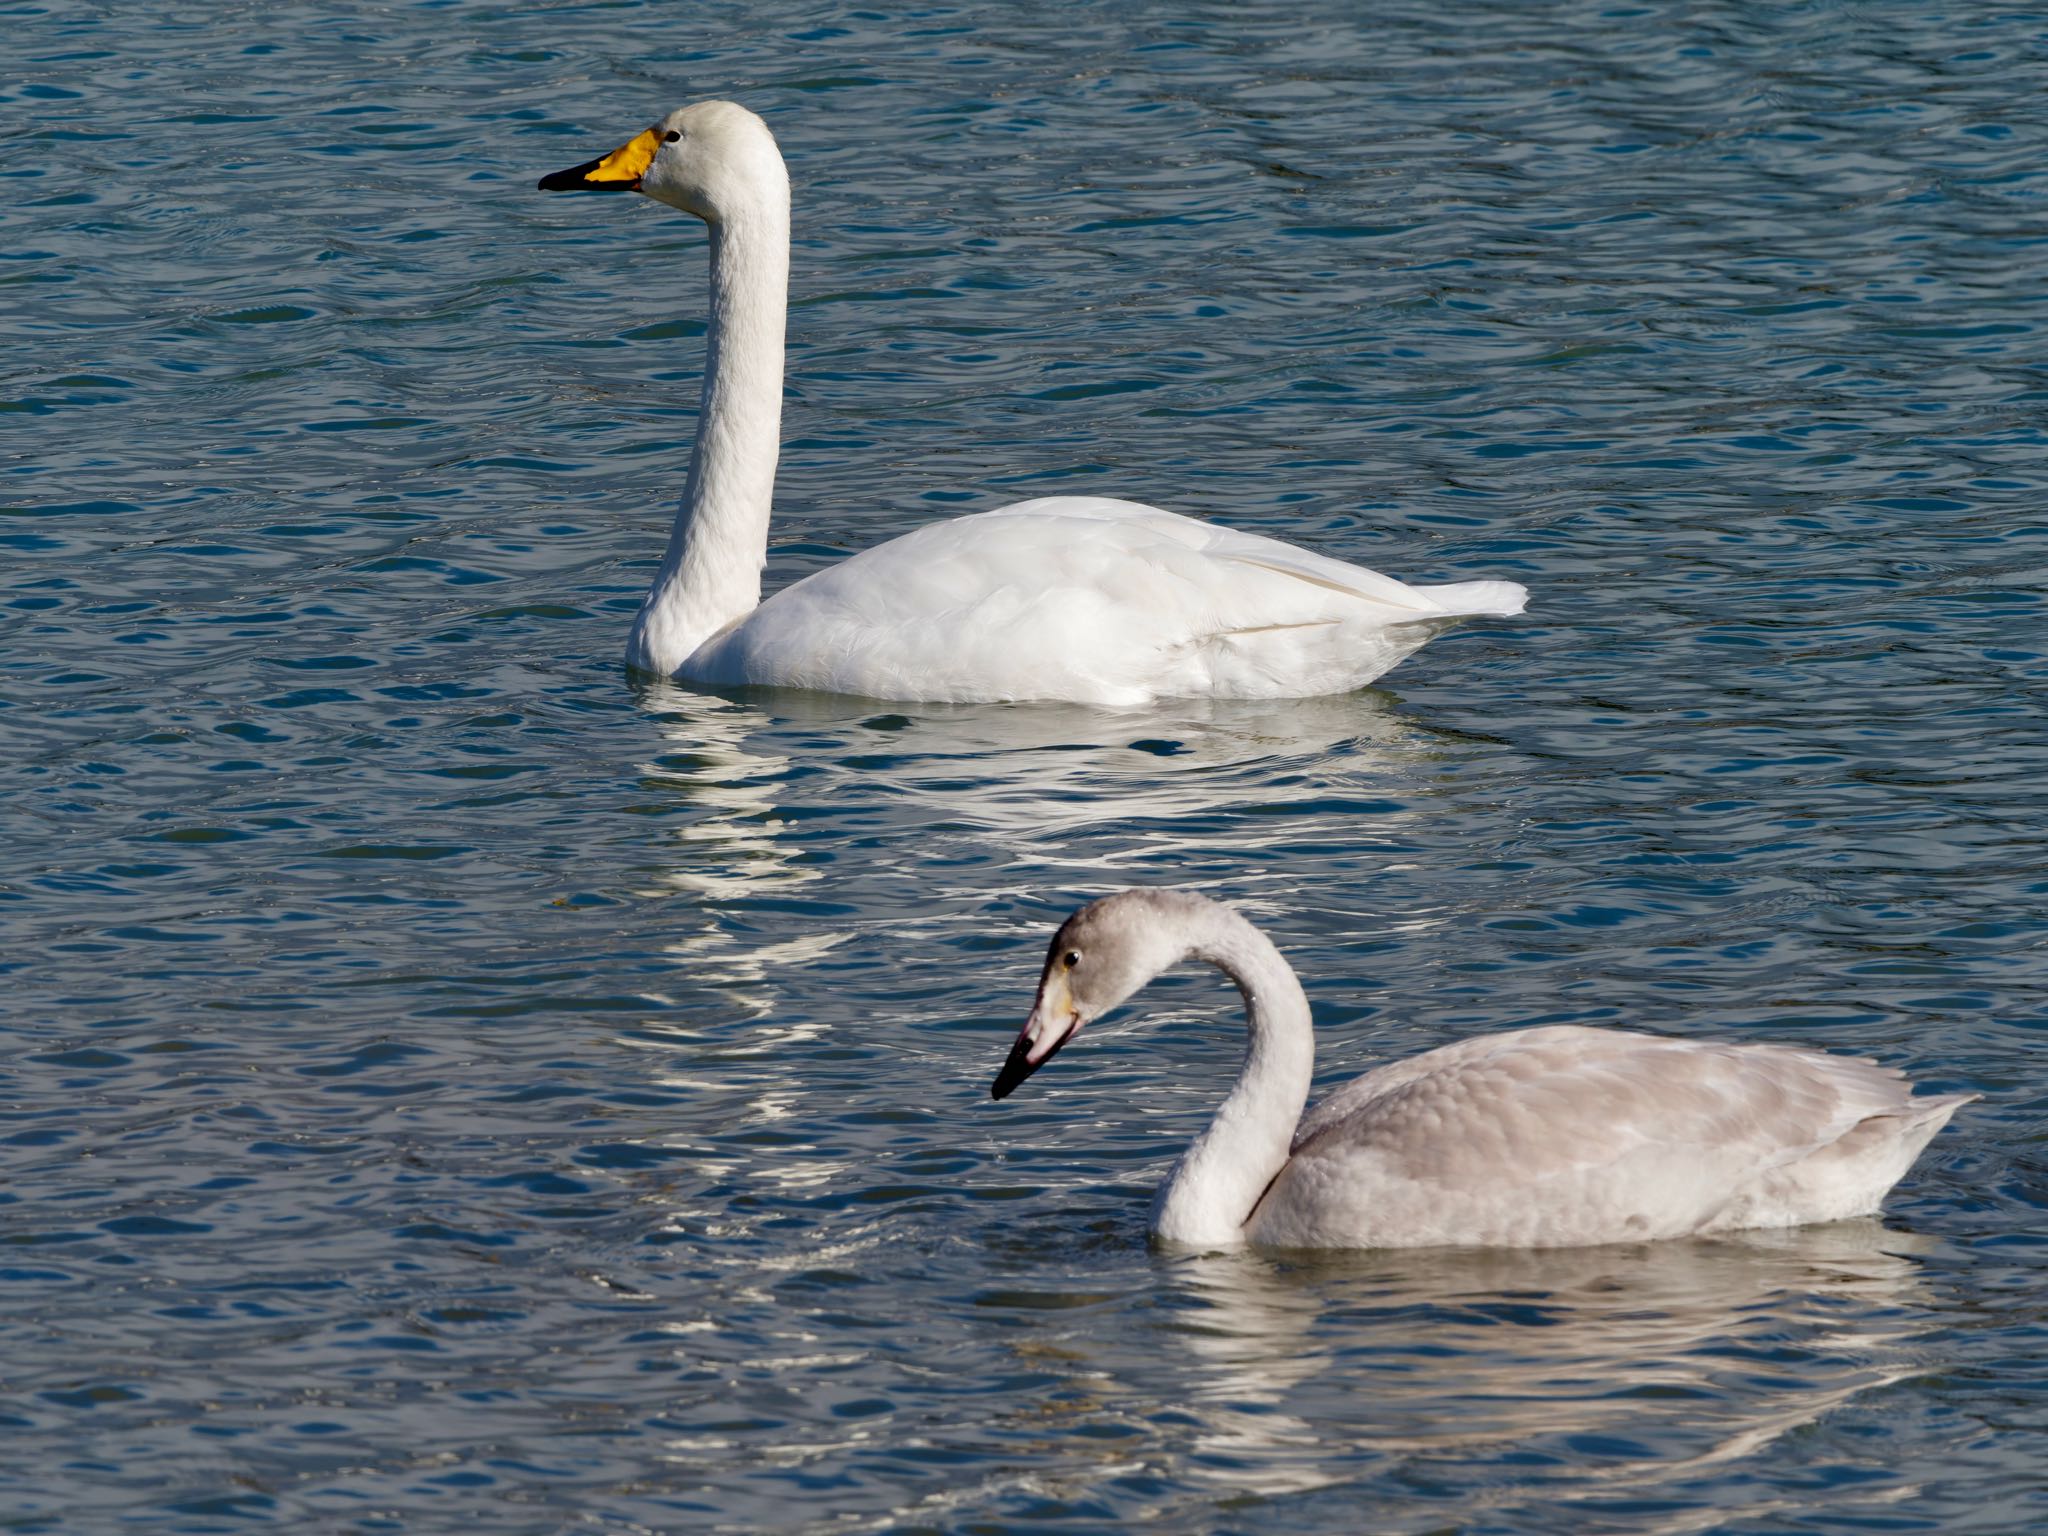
column 1472, row 598
column 1881, row 1148
column 1929, row 1112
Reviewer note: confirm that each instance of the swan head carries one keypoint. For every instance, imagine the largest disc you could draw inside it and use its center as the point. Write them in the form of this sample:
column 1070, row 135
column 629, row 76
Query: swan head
column 1100, row 956
column 713, row 158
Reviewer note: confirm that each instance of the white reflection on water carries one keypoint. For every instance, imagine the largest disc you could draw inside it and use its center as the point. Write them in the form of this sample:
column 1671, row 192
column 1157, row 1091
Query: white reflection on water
column 713, row 763
column 1093, row 788
column 1019, row 774
column 1602, row 1371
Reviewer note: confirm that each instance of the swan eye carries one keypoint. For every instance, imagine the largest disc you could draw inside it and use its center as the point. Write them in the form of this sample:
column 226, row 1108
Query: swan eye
column 1071, row 958
column 671, row 136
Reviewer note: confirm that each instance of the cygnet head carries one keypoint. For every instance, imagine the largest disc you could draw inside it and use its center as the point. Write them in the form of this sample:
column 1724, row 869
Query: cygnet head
column 713, row 158
column 1101, row 955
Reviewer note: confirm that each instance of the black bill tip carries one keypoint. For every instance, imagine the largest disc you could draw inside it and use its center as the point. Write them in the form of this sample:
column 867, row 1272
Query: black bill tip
column 577, row 179
column 1015, row 1070
column 1020, row 1066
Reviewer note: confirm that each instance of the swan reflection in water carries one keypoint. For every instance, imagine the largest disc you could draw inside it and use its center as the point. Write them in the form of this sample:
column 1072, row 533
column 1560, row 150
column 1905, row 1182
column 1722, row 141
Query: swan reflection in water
column 1020, row 777
column 1547, row 1374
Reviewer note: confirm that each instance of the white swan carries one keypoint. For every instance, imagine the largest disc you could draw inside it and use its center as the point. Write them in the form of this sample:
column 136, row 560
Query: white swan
column 1078, row 598
column 1536, row 1138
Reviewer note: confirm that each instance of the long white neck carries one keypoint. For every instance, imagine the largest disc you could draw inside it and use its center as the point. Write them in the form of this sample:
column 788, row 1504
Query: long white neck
column 711, row 574
column 1214, row 1187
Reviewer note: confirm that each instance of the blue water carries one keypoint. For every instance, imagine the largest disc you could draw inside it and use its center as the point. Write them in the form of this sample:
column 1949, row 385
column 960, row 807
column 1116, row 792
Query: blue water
column 447, row 1085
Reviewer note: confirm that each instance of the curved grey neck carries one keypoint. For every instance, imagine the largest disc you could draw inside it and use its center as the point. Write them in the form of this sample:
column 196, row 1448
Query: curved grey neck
column 1215, row 1186
column 711, row 575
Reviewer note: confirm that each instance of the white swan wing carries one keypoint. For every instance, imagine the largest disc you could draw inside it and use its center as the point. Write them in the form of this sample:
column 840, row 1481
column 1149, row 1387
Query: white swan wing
column 1568, row 1135
column 1090, row 599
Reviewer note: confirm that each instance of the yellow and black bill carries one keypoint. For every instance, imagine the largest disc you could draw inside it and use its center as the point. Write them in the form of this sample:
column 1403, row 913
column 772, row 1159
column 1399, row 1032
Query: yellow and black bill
column 619, row 171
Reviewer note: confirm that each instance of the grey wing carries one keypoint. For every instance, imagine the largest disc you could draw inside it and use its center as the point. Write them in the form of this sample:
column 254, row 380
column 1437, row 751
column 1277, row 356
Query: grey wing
column 1540, row 1103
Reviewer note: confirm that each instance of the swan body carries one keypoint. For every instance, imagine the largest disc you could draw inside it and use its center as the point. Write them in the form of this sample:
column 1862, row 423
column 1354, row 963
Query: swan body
column 1553, row 1137
column 1086, row 599
column 1078, row 598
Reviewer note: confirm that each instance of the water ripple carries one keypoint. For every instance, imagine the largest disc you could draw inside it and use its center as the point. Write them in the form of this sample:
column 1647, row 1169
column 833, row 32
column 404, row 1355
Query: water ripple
column 451, row 1082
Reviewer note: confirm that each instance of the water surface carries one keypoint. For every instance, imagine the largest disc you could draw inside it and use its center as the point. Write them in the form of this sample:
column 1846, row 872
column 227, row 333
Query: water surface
column 450, row 1085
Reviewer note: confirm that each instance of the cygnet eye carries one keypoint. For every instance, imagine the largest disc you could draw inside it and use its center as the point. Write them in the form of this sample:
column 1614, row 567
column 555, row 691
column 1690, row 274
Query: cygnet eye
column 672, row 135
column 1071, row 958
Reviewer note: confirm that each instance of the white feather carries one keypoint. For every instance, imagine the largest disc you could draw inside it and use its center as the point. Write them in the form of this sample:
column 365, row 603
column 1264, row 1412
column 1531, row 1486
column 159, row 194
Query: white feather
column 1082, row 598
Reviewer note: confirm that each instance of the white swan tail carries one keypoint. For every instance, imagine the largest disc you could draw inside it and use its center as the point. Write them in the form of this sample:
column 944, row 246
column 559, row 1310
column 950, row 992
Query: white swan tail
column 1495, row 599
